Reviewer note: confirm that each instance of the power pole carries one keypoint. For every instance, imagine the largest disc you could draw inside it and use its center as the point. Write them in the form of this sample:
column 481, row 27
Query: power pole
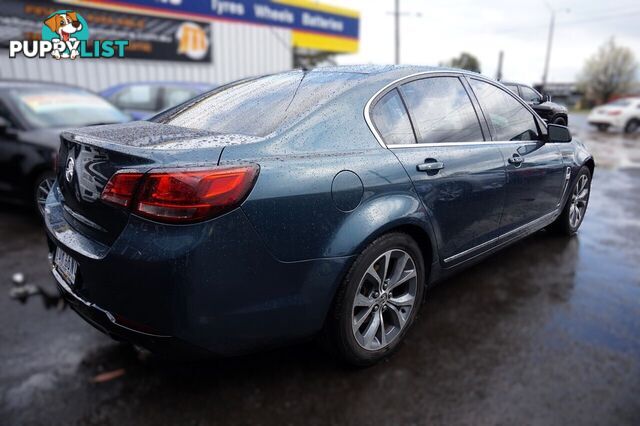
column 396, row 18
column 499, row 72
column 549, row 41
column 397, row 21
column 552, row 25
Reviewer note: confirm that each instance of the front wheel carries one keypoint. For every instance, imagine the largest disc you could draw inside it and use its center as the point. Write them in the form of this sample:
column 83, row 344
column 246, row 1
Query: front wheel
column 41, row 188
column 573, row 213
column 561, row 121
column 377, row 301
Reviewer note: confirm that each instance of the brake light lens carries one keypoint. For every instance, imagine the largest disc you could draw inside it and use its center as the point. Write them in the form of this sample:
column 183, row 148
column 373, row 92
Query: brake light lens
column 121, row 188
column 181, row 195
column 615, row 112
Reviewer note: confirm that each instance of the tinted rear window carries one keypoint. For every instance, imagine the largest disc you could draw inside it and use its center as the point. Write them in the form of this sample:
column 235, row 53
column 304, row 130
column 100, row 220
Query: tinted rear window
column 259, row 107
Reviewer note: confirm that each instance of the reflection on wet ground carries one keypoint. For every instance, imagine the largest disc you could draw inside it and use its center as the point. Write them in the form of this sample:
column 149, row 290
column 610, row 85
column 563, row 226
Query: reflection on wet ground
column 545, row 332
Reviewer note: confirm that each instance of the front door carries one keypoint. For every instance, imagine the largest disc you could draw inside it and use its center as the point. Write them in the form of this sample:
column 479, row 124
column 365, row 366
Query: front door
column 535, row 171
column 459, row 177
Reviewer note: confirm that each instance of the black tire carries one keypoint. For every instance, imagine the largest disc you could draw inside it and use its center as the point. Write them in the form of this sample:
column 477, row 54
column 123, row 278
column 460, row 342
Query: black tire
column 564, row 224
column 602, row 127
column 42, row 181
column 338, row 332
column 632, row 126
column 561, row 121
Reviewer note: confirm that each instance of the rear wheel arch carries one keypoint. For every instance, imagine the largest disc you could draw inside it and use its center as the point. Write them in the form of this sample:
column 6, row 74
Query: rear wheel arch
column 591, row 165
column 418, row 233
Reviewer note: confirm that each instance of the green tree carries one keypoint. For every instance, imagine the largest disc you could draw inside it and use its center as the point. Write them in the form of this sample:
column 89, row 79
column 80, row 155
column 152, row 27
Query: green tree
column 610, row 71
column 466, row 61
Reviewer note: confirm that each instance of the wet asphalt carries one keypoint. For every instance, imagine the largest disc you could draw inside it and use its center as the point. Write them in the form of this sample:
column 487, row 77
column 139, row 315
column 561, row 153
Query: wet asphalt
column 545, row 332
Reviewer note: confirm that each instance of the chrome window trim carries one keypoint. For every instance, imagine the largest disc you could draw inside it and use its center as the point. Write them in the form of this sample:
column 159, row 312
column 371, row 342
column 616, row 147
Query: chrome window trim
column 461, row 73
column 439, row 144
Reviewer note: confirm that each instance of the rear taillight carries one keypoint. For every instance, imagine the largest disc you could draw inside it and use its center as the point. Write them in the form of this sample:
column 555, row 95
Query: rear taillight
column 615, row 112
column 121, row 188
column 181, row 195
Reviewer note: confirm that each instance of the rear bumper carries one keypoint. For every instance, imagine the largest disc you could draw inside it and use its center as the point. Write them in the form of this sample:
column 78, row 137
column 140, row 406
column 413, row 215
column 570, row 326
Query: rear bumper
column 212, row 285
column 104, row 321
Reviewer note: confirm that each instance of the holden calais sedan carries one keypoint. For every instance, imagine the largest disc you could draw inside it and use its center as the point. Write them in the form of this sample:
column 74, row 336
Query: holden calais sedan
column 302, row 204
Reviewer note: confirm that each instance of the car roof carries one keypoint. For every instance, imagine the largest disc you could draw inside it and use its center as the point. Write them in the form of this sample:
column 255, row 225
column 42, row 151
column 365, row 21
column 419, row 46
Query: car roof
column 386, row 69
column 13, row 84
column 164, row 83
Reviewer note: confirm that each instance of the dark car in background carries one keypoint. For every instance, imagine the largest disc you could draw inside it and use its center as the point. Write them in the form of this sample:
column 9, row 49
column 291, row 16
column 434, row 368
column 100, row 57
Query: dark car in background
column 143, row 99
column 550, row 112
column 303, row 203
column 32, row 115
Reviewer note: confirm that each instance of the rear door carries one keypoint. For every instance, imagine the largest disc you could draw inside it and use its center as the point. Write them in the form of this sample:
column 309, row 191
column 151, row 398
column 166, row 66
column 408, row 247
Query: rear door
column 441, row 144
column 536, row 175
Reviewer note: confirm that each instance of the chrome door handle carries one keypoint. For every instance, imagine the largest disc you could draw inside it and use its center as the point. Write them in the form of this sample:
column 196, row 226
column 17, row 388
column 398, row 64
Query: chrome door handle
column 516, row 160
column 430, row 167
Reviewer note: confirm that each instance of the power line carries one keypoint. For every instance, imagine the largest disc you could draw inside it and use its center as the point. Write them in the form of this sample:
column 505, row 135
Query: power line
column 563, row 24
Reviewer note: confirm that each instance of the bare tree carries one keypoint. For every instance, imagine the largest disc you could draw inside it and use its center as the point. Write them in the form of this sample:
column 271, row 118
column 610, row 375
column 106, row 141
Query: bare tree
column 466, row 61
column 610, row 71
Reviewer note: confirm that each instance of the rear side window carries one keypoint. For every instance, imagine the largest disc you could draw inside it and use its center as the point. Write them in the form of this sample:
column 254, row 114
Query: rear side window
column 508, row 119
column 513, row 88
column 392, row 121
column 141, row 97
column 442, row 111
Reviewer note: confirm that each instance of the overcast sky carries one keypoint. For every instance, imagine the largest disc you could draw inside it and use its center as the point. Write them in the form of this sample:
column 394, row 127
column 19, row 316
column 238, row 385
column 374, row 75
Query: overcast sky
column 484, row 27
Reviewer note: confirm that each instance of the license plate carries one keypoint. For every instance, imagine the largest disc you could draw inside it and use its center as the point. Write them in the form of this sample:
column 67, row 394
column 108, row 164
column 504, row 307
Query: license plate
column 65, row 265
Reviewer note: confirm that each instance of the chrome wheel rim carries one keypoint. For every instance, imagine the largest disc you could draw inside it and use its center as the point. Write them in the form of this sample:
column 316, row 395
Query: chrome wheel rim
column 42, row 192
column 384, row 300
column 579, row 200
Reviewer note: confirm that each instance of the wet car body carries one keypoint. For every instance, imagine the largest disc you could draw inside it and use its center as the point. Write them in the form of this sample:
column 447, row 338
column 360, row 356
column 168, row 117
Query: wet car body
column 266, row 272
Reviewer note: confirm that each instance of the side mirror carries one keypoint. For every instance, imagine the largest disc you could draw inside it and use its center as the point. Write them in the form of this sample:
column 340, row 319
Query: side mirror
column 546, row 97
column 557, row 133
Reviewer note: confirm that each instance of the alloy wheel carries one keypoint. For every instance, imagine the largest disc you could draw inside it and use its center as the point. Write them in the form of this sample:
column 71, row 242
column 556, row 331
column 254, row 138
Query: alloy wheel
column 384, row 300
column 42, row 192
column 579, row 200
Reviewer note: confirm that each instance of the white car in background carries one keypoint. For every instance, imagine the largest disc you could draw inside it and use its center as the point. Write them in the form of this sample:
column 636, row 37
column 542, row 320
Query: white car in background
column 621, row 114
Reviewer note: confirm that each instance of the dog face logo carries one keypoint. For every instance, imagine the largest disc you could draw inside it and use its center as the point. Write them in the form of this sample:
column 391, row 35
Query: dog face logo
column 67, row 27
column 64, row 24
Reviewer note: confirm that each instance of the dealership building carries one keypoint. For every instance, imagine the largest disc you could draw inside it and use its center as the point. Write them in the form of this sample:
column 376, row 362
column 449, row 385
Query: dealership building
column 210, row 41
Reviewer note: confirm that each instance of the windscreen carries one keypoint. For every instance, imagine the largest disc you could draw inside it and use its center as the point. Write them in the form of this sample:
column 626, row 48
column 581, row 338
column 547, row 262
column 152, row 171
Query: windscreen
column 259, row 107
column 64, row 108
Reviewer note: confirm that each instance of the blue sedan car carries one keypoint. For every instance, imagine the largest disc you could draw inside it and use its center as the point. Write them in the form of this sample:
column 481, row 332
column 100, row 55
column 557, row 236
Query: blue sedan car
column 304, row 203
column 144, row 99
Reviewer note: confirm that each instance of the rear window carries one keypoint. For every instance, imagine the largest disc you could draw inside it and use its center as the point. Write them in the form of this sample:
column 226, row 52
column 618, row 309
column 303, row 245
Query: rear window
column 620, row 103
column 259, row 107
